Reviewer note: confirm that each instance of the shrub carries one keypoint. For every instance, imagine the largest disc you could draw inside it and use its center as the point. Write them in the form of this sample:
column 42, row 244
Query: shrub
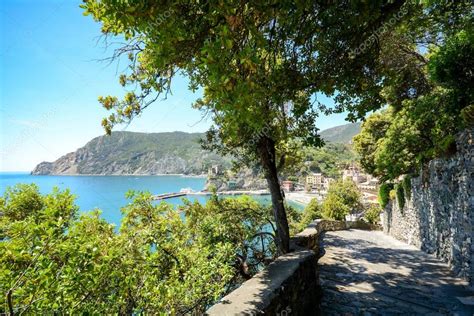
column 347, row 192
column 342, row 198
column 372, row 215
column 384, row 194
column 155, row 263
column 406, row 183
column 467, row 116
column 400, row 196
column 334, row 208
column 311, row 212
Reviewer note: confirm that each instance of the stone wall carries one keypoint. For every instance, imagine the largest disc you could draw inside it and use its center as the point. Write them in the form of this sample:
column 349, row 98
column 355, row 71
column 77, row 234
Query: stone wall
column 289, row 285
column 438, row 217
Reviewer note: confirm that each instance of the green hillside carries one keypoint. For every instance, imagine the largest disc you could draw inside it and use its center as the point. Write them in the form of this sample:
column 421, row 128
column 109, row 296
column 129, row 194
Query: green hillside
column 341, row 134
column 137, row 153
column 169, row 153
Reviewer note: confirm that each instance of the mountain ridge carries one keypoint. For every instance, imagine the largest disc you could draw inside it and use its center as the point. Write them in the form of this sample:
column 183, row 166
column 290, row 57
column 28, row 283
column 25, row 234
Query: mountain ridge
column 135, row 153
column 341, row 133
column 138, row 153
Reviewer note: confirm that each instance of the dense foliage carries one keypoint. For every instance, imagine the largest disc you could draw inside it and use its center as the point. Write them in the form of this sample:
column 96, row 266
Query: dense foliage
column 334, row 208
column 421, row 125
column 343, row 198
column 54, row 260
column 406, row 183
column 311, row 212
column 384, row 194
column 400, row 195
column 372, row 214
column 259, row 70
column 328, row 160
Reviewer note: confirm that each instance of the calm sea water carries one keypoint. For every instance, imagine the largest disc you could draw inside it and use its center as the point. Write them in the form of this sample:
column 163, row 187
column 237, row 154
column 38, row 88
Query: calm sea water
column 108, row 192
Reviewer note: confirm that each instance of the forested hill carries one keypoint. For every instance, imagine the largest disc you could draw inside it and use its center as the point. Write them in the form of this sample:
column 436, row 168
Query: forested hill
column 136, row 153
column 342, row 133
column 155, row 153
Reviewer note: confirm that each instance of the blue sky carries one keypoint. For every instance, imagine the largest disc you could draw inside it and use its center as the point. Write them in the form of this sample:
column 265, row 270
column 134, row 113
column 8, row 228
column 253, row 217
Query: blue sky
column 51, row 76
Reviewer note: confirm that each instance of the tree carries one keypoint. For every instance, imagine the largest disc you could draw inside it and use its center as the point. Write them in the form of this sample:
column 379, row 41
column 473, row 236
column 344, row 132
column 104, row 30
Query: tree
column 334, row 208
column 451, row 66
column 343, row 197
column 429, row 93
column 54, row 260
column 347, row 192
column 311, row 212
column 259, row 69
column 365, row 143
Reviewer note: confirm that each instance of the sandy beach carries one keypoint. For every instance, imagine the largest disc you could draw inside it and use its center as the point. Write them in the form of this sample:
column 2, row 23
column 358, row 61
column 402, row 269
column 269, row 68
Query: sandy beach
column 301, row 197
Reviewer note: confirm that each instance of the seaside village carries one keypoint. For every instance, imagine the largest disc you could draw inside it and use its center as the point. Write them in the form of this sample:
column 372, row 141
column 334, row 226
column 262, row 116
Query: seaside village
column 315, row 185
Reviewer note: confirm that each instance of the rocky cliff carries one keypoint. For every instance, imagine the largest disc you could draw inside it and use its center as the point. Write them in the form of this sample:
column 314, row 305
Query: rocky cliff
column 136, row 153
column 159, row 153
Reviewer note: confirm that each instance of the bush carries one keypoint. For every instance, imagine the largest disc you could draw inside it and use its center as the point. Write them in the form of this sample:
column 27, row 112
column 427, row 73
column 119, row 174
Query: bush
column 156, row 263
column 406, row 183
column 372, row 215
column 342, row 198
column 400, row 196
column 347, row 192
column 467, row 116
column 311, row 212
column 334, row 208
column 384, row 194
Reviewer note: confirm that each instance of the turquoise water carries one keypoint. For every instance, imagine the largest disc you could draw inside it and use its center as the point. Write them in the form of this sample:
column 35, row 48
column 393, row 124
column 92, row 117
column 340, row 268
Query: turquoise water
column 108, row 192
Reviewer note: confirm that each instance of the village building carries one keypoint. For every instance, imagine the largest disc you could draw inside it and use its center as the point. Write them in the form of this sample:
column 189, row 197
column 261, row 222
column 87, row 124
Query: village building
column 288, row 186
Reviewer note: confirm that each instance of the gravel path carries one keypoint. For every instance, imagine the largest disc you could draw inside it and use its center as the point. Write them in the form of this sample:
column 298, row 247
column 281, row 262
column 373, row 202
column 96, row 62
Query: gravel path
column 370, row 273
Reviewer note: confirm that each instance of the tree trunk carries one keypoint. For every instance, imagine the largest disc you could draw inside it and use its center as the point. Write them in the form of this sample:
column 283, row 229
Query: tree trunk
column 268, row 159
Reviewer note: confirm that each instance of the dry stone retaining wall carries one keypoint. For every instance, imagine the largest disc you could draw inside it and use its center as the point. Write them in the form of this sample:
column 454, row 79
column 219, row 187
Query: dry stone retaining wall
column 438, row 217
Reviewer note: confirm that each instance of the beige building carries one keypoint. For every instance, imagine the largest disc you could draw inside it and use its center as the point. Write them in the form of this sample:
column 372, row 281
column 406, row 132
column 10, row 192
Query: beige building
column 314, row 181
column 364, row 182
column 353, row 173
column 213, row 171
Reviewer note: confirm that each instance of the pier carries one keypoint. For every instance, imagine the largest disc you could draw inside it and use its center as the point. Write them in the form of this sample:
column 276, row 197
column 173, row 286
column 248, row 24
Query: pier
column 165, row 196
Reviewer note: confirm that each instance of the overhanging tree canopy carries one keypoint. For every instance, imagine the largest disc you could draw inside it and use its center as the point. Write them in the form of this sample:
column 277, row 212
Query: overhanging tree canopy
column 260, row 64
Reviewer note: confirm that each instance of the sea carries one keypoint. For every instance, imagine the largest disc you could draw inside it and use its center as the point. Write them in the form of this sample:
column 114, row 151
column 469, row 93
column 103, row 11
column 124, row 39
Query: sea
column 107, row 193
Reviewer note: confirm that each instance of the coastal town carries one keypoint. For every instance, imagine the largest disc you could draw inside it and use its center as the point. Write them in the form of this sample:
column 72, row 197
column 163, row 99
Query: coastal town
column 316, row 185
column 302, row 191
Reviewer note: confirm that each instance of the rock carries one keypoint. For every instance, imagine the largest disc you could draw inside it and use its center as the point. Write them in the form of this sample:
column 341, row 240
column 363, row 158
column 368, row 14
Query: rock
column 439, row 217
column 125, row 153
